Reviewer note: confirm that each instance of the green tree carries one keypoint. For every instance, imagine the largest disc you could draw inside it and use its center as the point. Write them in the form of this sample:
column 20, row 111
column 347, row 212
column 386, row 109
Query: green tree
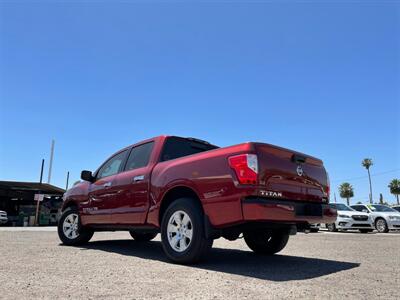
column 346, row 191
column 367, row 163
column 394, row 187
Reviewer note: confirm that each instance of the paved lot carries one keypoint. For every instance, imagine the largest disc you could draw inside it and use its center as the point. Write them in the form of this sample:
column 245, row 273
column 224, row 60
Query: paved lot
column 323, row 265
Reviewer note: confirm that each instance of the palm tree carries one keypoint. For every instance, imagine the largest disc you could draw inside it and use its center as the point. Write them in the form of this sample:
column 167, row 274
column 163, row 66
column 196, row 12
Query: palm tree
column 394, row 187
column 346, row 191
column 367, row 163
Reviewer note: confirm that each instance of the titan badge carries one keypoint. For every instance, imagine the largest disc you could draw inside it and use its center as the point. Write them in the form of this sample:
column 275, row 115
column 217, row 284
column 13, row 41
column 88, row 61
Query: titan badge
column 271, row 194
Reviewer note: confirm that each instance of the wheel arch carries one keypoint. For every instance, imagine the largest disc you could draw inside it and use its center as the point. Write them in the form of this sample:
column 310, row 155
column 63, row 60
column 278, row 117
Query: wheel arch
column 379, row 218
column 69, row 203
column 174, row 193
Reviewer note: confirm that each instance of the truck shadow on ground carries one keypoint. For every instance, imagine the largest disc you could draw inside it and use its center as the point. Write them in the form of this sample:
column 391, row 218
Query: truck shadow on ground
column 238, row 262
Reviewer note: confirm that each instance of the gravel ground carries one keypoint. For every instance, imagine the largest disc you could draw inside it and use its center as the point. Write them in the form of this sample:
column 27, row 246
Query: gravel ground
column 33, row 264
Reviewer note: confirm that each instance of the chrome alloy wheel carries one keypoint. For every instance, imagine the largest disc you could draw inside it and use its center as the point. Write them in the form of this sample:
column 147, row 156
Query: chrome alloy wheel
column 180, row 231
column 381, row 225
column 70, row 226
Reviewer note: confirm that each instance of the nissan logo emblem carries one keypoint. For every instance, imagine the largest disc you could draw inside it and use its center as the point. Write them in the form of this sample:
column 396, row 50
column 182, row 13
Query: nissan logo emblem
column 299, row 170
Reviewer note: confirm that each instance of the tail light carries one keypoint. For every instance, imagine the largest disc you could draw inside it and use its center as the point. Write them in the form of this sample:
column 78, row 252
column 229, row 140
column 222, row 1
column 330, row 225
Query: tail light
column 246, row 167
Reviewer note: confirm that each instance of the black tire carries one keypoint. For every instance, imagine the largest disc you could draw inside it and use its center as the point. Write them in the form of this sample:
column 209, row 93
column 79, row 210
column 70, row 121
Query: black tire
column 198, row 246
column 381, row 225
column 315, row 230
column 142, row 237
column 331, row 227
column 266, row 242
column 84, row 234
column 365, row 230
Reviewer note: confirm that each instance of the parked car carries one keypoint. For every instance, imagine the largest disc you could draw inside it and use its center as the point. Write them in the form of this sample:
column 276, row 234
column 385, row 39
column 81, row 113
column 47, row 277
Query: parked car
column 396, row 207
column 3, row 217
column 194, row 192
column 349, row 218
column 384, row 217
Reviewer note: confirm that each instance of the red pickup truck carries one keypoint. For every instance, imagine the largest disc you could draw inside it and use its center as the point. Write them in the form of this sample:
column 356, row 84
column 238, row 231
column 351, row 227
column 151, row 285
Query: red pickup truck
column 193, row 192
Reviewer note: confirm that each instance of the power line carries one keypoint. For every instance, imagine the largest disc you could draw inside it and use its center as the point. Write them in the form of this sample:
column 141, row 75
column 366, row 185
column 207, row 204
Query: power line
column 366, row 176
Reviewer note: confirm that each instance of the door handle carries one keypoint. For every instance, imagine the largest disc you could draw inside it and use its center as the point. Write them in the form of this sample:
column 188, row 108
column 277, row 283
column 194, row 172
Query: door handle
column 107, row 184
column 138, row 178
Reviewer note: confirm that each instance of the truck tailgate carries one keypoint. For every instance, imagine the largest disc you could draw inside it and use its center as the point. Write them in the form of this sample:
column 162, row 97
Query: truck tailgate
column 291, row 175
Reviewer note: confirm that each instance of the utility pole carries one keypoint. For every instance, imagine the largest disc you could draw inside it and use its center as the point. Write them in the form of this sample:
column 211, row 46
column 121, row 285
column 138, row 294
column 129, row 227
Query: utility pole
column 38, row 197
column 66, row 186
column 370, row 187
column 41, row 172
column 51, row 160
column 334, row 194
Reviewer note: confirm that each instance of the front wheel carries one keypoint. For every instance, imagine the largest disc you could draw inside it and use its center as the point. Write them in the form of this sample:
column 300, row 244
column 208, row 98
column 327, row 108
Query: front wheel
column 70, row 230
column 264, row 242
column 331, row 227
column 381, row 225
column 182, row 232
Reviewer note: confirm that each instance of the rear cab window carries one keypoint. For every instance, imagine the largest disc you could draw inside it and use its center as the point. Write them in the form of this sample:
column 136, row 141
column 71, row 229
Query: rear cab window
column 175, row 147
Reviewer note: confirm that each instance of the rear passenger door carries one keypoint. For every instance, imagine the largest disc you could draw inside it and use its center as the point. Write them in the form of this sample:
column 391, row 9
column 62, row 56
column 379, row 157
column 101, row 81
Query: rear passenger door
column 133, row 184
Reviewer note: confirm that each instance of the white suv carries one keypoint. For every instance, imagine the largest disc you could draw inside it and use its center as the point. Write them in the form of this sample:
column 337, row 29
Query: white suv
column 348, row 218
column 3, row 217
column 384, row 217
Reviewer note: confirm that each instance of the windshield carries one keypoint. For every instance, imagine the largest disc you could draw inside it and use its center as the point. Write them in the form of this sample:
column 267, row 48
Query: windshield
column 381, row 208
column 341, row 206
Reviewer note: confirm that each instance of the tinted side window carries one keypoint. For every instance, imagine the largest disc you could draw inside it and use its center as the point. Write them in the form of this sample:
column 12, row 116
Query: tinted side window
column 112, row 166
column 139, row 156
column 358, row 207
column 175, row 147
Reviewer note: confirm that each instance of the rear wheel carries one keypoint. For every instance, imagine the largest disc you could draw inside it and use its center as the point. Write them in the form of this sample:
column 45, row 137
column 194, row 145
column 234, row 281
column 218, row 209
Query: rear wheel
column 331, row 227
column 182, row 232
column 381, row 225
column 142, row 237
column 266, row 242
column 70, row 230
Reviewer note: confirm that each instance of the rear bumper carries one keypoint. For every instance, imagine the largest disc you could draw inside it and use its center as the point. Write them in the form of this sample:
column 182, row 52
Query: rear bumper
column 287, row 211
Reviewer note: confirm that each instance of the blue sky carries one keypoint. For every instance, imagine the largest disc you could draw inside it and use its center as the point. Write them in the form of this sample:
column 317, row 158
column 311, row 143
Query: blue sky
column 322, row 78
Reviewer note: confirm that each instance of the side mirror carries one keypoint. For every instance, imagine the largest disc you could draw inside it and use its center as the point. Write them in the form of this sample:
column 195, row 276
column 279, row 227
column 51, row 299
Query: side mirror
column 87, row 176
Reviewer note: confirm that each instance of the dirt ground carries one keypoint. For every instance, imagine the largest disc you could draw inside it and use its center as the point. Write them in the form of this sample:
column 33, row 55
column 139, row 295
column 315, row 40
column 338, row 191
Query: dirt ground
column 323, row 265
